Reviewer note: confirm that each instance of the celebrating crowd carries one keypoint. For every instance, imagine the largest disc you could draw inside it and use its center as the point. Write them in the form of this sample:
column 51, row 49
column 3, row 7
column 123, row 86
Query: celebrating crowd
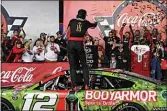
column 116, row 53
column 117, row 49
column 46, row 48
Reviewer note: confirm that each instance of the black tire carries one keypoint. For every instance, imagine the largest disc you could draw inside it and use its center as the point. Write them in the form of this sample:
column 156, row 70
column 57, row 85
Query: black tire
column 6, row 105
column 129, row 107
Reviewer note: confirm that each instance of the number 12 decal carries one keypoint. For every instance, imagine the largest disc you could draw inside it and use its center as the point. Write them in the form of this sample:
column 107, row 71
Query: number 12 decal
column 38, row 104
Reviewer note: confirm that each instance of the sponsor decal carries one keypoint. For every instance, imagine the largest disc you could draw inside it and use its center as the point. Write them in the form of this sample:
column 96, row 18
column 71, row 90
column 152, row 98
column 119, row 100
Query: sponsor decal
column 140, row 49
column 159, row 109
column 139, row 20
column 57, row 69
column 32, row 101
column 147, row 13
column 164, row 95
column 21, row 74
column 107, row 98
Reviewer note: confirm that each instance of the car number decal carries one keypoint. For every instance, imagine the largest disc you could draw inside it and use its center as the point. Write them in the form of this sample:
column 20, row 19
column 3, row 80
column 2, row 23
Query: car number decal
column 38, row 104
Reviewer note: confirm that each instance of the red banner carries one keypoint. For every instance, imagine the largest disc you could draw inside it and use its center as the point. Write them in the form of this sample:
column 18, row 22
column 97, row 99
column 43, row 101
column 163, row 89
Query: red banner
column 116, row 12
column 20, row 73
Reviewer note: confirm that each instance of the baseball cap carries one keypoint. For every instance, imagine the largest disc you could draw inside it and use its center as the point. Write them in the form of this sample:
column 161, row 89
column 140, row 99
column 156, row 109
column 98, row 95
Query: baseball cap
column 18, row 42
column 59, row 32
column 52, row 36
column 120, row 42
column 112, row 31
column 96, row 39
column 82, row 13
column 112, row 55
column 42, row 34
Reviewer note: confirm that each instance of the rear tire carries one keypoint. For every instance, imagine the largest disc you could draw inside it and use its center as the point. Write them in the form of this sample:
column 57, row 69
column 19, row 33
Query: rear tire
column 6, row 105
column 129, row 107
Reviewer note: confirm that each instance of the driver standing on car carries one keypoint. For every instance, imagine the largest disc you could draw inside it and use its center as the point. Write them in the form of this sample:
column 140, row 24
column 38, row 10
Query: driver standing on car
column 76, row 31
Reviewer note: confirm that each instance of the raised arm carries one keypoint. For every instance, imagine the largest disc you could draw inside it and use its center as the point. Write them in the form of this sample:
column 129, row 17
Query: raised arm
column 148, row 34
column 16, row 51
column 67, row 31
column 46, row 41
column 24, row 34
column 131, row 33
column 121, row 31
column 92, row 25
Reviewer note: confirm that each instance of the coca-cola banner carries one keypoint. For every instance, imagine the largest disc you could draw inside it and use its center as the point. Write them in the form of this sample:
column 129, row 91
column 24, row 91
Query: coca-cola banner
column 112, row 14
column 19, row 73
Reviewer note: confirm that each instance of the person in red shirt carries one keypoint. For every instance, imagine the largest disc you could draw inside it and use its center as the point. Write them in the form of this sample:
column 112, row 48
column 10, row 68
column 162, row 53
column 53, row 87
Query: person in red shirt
column 5, row 45
column 17, row 36
column 15, row 54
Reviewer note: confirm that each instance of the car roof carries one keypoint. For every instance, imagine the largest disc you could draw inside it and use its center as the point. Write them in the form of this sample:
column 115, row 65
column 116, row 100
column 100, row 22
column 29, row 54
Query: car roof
column 119, row 71
column 116, row 71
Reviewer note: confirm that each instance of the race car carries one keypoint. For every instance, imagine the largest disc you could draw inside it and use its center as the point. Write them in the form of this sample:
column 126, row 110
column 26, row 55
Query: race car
column 109, row 90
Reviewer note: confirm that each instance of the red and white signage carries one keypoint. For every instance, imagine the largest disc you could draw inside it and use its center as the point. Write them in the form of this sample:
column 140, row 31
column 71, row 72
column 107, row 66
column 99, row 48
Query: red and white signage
column 19, row 73
column 115, row 13
column 108, row 98
column 140, row 59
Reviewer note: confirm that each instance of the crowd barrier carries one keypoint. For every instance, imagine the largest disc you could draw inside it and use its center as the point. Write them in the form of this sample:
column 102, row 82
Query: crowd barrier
column 21, row 73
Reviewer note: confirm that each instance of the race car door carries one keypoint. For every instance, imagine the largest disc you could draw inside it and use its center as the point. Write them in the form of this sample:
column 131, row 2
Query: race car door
column 49, row 96
column 99, row 95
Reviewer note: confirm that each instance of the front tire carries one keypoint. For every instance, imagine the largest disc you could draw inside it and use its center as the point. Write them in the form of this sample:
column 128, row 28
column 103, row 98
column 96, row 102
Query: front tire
column 129, row 107
column 6, row 105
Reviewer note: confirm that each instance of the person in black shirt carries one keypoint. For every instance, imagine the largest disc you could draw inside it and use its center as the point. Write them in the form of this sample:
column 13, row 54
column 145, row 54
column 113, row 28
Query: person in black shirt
column 144, row 41
column 121, row 57
column 156, row 62
column 109, row 40
column 154, row 35
column 126, row 38
column 62, row 44
column 76, row 31
column 136, row 36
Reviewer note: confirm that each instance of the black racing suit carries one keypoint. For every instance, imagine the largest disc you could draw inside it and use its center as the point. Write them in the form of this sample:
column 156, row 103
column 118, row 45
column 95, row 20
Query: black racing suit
column 77, row 29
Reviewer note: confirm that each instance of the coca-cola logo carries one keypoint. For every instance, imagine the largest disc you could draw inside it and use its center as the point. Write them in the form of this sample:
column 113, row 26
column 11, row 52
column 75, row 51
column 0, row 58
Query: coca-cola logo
column 147, row 19
column 136, row 13
column 21, row 74
column 57, row 69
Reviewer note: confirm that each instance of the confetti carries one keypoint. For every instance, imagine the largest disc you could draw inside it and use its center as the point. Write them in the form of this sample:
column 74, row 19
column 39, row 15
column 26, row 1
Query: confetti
column 135, row 5
column 149, row 6
column 127, row 4
column 141, row 12
column 161, row 2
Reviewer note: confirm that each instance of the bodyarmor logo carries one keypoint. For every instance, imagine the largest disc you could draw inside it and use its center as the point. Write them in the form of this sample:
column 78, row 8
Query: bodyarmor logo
column 9, row 24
